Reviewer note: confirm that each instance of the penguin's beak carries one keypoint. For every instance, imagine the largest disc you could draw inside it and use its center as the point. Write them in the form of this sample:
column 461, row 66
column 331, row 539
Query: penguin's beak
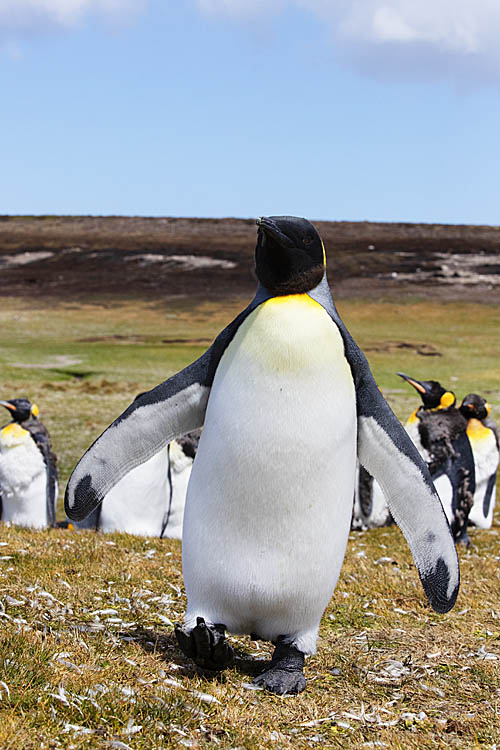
column 268, row 226
column 420, row 387
column 8, row 406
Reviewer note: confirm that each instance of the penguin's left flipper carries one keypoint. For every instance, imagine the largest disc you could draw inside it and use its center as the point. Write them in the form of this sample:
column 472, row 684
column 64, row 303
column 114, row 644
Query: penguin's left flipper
column 155, row 418
column 387, row 452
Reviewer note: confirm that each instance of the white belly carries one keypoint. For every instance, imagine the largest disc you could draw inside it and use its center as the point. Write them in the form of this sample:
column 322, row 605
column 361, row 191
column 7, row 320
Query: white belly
column 445, row 491
column 485, row 454
column 270, row 498
column 411, row 428
column 180, row 467
column 137, row 504
column 379, row 513
column 23, row 486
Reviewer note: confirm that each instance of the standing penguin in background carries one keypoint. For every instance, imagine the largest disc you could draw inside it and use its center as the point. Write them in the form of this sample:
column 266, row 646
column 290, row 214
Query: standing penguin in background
column 438, row 430
column 483, row 435
column 149, row 500
column 370, row 509
column 21, row 468
column 267, row 513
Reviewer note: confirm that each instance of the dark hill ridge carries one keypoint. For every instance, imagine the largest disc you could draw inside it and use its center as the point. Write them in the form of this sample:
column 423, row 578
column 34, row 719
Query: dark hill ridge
column 80, row 256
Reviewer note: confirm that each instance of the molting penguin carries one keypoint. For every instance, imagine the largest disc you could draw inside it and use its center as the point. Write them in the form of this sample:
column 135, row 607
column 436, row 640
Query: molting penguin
column 483, row 435
column 23, row 478
column 370, row 509
column 261, row 524
column 19, row 457
column 149, row 500
column 439, row 431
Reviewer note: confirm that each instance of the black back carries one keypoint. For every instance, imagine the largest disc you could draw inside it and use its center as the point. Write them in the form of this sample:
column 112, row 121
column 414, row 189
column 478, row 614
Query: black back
column 443, row 435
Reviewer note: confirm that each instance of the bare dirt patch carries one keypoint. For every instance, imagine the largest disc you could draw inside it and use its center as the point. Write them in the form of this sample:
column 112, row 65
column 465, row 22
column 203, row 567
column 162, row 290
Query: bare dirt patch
column 78, row 257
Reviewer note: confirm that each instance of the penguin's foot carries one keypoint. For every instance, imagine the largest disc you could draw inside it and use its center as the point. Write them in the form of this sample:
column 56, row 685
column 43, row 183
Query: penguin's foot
column 206, row 644
column 285, row 675
column 463, row 541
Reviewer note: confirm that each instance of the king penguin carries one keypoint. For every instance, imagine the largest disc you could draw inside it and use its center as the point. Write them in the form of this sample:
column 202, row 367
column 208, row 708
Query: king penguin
column 28, row 472
column 370, row 510
column 267, row 513
column 483, row 435
column 149, row 500
column 438, row 430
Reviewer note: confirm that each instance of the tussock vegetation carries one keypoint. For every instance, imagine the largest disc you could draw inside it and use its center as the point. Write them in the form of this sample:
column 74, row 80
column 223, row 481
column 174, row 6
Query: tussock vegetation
column 89, row 659
column 86, row 644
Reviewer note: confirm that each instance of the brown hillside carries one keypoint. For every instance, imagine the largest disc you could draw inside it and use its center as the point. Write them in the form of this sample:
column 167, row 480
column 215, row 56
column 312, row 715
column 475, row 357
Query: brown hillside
column 80, row 256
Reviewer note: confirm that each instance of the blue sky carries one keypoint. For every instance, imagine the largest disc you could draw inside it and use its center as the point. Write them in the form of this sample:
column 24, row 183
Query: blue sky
column 220, row 108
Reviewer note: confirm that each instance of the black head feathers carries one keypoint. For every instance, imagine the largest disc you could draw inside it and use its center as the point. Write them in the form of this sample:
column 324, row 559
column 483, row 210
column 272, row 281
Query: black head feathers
column 20, row 409
column 432, row 393
column 289, row 257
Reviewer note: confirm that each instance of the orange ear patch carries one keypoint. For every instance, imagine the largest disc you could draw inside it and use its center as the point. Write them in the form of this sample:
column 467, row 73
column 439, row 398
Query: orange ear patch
column 447, row 399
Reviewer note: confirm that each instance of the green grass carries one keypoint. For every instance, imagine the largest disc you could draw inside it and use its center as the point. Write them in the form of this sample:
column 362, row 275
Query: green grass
column 387, row 670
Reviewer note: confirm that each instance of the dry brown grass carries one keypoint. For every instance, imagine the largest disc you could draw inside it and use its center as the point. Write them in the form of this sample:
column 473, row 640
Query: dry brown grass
column 388, row 672
column 89, row 658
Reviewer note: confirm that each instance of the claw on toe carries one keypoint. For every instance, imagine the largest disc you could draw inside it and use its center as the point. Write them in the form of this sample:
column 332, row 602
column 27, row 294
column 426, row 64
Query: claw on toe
column 281, row 681
column 285, row 674
column 206, row 644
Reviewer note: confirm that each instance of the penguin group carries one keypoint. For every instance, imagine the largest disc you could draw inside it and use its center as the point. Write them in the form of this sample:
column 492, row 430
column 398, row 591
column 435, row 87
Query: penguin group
column 149, row 501
column 460, row 446
column 267, row 512
column 225, row 455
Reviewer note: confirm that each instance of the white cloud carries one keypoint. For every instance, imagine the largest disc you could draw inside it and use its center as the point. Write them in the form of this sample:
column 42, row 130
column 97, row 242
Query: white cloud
column 32, row 15
column 437, row 35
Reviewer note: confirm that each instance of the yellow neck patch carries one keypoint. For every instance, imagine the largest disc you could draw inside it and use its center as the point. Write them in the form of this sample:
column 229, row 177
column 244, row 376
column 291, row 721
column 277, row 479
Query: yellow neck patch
column 476, row 430
column 291, row 333
column 295, row 301
column 13, row 433
column 413, row 417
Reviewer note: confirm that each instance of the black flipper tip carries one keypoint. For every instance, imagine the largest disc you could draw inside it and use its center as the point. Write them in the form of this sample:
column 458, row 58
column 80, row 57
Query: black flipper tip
column 436, row 588
column 85, row 499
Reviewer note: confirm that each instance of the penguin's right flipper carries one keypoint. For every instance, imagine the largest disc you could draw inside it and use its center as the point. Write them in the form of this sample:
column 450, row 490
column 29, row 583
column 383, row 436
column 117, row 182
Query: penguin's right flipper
column 155, row 418
column 91, row 522
column 150, row 422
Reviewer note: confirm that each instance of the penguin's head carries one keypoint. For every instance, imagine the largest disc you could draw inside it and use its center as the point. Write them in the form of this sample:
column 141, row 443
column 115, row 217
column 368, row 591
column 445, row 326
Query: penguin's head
column 21, row 409
column 12, row 436
column 289, row 257
column 432, row 393
column 474, row 407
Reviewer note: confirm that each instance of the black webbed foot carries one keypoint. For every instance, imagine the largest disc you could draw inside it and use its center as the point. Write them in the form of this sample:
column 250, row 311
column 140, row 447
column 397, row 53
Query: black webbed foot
column 206, row 644
column 285, row 675
column 463, row 540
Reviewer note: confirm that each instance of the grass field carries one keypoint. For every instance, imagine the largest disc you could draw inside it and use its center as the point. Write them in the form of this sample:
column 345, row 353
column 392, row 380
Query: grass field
column 88, row 656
